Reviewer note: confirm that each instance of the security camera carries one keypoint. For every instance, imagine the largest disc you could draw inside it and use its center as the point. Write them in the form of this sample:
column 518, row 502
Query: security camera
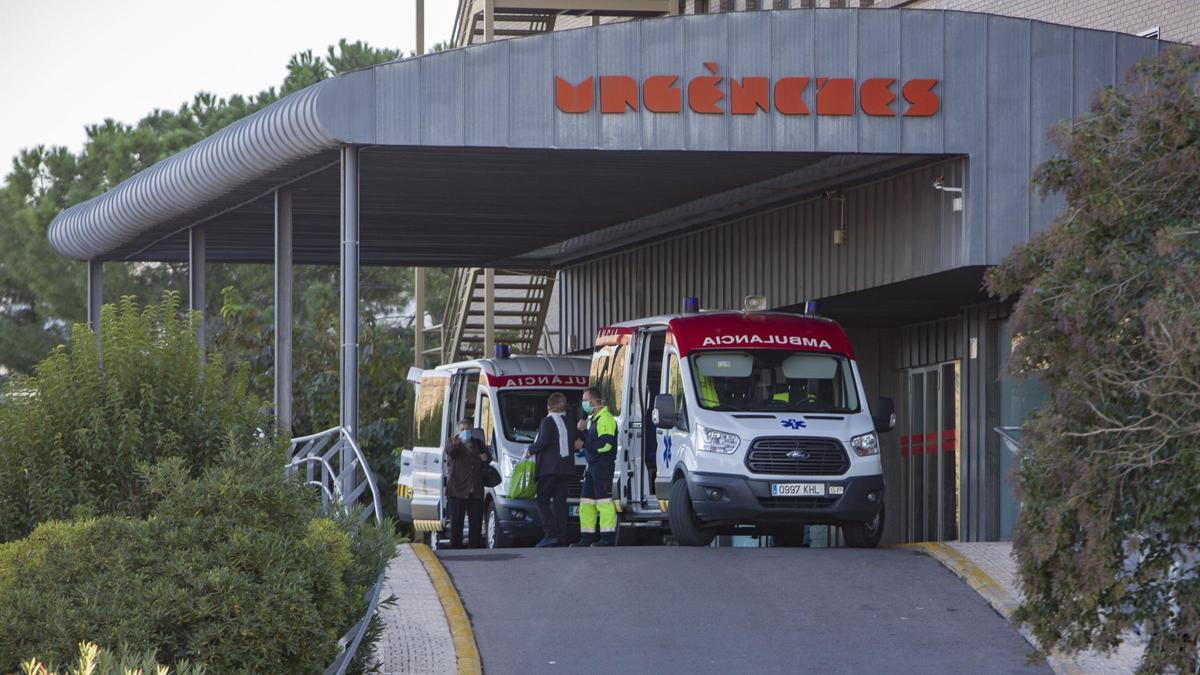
column 937, row 183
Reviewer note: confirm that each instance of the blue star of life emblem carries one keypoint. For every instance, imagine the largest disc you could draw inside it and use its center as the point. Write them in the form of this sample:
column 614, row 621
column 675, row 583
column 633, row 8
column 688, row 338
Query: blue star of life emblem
column 667, row 451
column 793, row 424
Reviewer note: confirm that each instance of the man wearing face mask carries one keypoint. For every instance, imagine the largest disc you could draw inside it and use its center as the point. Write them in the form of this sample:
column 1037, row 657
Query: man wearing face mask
column 600, row 444
column 465, row 458
column 555, row 467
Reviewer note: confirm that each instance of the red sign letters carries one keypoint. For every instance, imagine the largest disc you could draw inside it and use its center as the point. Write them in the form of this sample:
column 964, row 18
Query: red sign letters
column 747, row 95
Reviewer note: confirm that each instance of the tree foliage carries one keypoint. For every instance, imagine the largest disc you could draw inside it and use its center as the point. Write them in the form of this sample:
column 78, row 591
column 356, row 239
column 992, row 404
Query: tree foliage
column 1108, row 538
column 73, row 435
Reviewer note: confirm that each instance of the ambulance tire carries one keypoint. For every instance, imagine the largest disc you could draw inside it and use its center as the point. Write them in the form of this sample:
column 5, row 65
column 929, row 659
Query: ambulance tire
column 492, row 536
column 682, row 517
column 864, row 535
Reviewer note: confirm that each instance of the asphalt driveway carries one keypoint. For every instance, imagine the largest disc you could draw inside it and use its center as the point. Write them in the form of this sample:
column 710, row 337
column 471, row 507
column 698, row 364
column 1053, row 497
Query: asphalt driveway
column 721, row 610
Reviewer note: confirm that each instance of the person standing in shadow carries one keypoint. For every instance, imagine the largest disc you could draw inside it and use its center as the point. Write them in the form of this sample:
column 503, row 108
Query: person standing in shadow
column 465, row 459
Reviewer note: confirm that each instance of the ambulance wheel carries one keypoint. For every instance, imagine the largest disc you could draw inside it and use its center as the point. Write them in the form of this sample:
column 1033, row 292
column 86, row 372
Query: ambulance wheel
column 492, row 536
column 682, row 518
column 864, row 535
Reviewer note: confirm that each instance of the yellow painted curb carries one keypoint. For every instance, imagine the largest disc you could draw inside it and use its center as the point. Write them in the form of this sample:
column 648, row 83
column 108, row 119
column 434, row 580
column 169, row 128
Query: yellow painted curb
column 991, row 590
column 465, row 650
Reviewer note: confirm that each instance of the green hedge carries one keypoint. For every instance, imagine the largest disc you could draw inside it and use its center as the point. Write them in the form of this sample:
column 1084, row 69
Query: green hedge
column 236, row 571
column 73, row 434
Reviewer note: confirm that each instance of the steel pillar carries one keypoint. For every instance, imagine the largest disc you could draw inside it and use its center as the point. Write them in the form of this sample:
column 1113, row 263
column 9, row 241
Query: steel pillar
column 283, row 311
column 489, row 20
column 420, row 27
column 349, row 292
column 95, row 294
column 489, row 312
column 196, row 271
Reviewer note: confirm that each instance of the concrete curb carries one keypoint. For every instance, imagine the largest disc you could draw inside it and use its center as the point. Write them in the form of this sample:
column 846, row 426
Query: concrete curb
column 995, row 594
column 465, row 650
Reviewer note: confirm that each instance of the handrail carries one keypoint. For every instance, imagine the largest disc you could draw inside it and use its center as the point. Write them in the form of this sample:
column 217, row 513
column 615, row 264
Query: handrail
column 344, row 471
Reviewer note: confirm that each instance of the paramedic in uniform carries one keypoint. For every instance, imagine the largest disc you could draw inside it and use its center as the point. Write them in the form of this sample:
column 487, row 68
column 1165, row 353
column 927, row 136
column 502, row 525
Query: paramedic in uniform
column 555, row 460
column 600, row 444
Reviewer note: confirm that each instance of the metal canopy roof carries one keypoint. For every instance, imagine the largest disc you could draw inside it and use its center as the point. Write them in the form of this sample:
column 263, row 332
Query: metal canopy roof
column 467, row 161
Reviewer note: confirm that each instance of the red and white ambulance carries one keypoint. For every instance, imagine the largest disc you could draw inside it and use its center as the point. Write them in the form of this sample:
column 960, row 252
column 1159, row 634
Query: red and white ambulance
column 506, row 399
column 729, row 421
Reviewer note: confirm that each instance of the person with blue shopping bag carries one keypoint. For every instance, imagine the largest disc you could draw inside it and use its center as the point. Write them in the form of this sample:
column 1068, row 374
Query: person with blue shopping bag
column 552, row 454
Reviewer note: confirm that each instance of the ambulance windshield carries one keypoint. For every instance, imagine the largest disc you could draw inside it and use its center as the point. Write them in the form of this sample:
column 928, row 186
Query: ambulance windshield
column 774, row 380
column 522, row 410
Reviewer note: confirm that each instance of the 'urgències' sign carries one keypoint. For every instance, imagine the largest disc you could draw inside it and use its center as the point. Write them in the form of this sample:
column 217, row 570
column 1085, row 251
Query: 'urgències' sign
column 748, row 95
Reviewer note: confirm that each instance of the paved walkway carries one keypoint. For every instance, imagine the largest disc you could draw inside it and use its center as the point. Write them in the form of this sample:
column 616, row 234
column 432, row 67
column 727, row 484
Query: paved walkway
column 416, row 637
column 996, row 561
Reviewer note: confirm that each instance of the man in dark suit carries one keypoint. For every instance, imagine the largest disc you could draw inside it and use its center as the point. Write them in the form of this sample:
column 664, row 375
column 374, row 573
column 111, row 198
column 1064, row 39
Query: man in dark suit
column 555, row 469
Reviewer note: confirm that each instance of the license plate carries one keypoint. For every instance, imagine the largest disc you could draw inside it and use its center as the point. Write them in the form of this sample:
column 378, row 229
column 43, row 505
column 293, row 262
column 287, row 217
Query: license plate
column 797, row 489
column 574, row 510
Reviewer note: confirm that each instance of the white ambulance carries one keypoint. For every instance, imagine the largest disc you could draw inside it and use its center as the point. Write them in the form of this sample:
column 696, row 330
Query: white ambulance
column 732, row 422
column 506, row 399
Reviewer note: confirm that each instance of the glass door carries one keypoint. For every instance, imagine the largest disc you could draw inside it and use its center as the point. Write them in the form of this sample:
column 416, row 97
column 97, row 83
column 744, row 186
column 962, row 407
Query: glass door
column 929, row 456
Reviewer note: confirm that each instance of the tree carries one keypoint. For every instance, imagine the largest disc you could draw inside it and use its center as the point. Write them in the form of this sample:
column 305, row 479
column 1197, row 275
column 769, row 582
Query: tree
column 1109, row 318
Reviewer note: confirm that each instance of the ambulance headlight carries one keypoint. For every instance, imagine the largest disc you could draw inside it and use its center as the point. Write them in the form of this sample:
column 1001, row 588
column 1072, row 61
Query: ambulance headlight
column 712, row 440
column 865, row 445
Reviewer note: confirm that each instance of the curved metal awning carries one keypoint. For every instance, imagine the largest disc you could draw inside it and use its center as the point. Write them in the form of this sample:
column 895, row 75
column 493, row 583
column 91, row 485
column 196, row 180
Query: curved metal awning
column 466, row 159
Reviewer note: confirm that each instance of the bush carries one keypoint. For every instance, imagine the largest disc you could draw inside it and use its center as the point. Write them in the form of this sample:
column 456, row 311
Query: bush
column 73, row 434
column 1109, row 315
column 235, row 570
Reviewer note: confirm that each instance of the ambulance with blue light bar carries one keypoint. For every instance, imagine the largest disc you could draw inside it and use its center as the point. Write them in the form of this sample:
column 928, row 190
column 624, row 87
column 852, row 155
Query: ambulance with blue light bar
column 505, row 397
column 742, row 422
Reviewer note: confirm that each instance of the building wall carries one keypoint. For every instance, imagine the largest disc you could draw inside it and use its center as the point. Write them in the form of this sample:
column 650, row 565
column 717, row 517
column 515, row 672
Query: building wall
column 898, row 229
column 1177, row 20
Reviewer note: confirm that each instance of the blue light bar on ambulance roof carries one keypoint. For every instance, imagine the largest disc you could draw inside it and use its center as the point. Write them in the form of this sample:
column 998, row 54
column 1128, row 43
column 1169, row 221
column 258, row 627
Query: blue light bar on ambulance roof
column 691, row 305
column 810, row 308
column 502, row 351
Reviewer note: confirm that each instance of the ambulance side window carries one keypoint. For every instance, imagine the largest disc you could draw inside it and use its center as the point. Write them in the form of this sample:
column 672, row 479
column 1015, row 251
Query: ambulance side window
column 674, row 387
column 608, row 375
column 428, row 413
column 485, row 420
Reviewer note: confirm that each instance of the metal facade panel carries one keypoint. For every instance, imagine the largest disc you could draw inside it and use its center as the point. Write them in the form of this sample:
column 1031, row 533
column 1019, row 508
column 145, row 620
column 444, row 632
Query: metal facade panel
column 879, row 55
column 706, row 40
column 442, row 100
column 836, row 56
column 1131, row 50
column 662, row 54
column 793, row 45
column 1050, row 51
column 788, row 254
column 531, row 116
column 1008, row 134
column 750, row 55
column 1095, row 59
column 575, row 61
column 619, row 53
column 487, row 94
column 965, row 92
column 922, row 55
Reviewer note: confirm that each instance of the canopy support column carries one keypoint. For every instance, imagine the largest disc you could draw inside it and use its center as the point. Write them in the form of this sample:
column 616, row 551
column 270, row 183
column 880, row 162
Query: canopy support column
column 283, row 311
column 197, row 258
column 489, row 20
column 489, row 312
column 95, row 294
column 349, row 292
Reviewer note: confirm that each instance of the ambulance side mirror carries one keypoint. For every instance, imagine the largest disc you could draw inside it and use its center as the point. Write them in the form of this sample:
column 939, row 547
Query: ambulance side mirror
column 664, row 414
column 884, row 415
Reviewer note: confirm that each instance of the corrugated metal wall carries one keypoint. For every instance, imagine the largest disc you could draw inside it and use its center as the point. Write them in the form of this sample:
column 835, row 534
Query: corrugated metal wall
column 899, row 228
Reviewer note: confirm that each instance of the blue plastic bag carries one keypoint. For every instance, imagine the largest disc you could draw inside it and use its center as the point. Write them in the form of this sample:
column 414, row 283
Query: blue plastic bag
column 522, row 484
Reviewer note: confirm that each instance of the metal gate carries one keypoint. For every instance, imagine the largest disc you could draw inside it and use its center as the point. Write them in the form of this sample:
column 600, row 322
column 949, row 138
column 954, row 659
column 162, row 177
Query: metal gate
column 929, row 452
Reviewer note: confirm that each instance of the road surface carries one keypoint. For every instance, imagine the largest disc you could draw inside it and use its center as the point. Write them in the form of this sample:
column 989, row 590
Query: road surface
column 722, row 610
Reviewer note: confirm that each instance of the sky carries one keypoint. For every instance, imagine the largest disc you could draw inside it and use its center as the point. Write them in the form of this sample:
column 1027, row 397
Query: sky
column 68, row 63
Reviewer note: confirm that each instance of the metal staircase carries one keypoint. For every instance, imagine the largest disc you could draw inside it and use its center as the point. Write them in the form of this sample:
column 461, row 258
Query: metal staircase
column 521, row 300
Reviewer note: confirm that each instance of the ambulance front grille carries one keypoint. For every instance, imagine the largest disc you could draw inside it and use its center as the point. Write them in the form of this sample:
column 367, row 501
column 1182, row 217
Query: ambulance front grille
column 808, row 457
column 575, row 487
